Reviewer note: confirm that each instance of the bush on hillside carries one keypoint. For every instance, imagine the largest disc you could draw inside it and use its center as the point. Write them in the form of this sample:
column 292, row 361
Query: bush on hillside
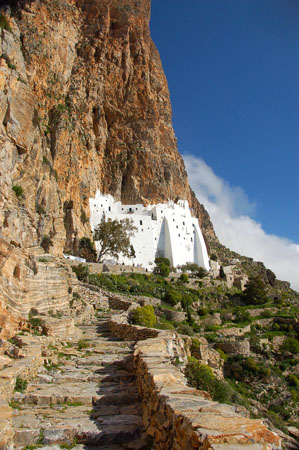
column 160, row 260
column 184, row 328
column 202, row 272
column 162, row 269
column 189, row 267
column 144, row 316
column 290, row 345
column 202, row 377
column 184, row 278
column 172, row 297
column 255, row 293
column 81, row 271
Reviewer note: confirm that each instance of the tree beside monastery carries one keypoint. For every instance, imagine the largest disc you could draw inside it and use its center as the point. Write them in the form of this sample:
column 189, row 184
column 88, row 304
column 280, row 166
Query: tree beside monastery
column 114, row 238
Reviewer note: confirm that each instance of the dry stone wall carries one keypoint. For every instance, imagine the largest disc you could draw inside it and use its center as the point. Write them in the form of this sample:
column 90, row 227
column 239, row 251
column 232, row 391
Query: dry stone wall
column 177, row 416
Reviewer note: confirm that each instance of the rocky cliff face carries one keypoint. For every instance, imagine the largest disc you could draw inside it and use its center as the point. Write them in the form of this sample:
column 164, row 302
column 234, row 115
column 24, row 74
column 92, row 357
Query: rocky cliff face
column 84, row 106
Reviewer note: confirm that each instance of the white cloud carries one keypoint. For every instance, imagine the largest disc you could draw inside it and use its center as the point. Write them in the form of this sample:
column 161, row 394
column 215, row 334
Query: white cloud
column 230, row 210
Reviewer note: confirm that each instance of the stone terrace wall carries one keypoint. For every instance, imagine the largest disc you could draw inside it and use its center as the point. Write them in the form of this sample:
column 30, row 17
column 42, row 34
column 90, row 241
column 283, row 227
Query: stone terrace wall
column 177, row 416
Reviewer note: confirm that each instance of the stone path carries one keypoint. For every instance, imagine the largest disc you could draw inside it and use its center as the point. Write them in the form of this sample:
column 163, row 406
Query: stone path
column 90, row 399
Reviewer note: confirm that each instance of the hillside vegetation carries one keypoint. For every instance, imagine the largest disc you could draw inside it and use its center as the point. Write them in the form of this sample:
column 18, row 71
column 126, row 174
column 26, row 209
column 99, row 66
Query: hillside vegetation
column 254, row 335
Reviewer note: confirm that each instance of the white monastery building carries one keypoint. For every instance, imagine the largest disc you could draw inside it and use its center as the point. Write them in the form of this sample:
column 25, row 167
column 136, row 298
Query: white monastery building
column 165, row 229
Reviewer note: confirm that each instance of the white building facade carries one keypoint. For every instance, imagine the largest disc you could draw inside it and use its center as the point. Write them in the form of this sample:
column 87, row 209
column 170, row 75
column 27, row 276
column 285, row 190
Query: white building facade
column 166, row 230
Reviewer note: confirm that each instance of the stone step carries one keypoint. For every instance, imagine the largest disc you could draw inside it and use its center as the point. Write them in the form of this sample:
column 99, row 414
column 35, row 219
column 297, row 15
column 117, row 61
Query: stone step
column 47, row 394
column 118, row 399
column 108, row 430
column 90, row 398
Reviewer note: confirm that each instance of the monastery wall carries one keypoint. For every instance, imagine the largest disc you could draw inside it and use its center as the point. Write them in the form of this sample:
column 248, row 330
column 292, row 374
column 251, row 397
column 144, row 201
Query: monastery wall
column 166, row 230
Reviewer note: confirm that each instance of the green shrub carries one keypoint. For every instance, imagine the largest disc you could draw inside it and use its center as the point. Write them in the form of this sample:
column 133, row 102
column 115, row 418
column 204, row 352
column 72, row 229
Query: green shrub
column 18, row 190
column 189, row 267
column 144, row 316
column 186, row 301
column 213, row 257
column 255, row 293
column 81, row 271
column 242, row 316
column 211, row 337
column 222, row 354
column 173, row 297
column 199, row 375
column 86, row 243
column 251, row 365
column 82, row 343
column 35, row 322
column 222, row 273
column 203, row 311
column 222, row 392
column 8, row 61
column 165, row 325
column 290, row 345
column 160, row 260
column 4, row 23
column 293, row 380
column 184, row 278
column 202, row 377
column 162, row 269
column 201, row 272
column 21, row 384
column 184, row 328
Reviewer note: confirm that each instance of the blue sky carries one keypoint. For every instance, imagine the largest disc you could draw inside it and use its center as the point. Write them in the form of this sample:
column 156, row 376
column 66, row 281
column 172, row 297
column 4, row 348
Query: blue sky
column 233, row 72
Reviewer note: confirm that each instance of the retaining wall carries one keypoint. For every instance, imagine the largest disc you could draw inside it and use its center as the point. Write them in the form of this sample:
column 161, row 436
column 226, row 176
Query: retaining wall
column 179, row 417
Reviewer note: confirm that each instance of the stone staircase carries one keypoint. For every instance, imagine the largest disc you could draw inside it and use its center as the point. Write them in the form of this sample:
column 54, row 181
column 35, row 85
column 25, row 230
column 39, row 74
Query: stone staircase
column 88, row 400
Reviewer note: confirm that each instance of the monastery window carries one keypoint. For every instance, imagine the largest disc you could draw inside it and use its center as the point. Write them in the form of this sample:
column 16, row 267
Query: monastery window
column 141, row 229
column 191, row 240
column 101, row 206
column 177, row 226
column 109, row 208
column 179, row 235
column 140, row 221
column 183, row 223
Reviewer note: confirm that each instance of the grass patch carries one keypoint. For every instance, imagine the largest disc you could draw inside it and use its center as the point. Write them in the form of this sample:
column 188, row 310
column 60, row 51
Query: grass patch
column 14, row 404
column 4, row 23
column 68, row 403
column 82, row 344
column 50, row 366
column 20, row 385
column 18, row 190
column 69, row 446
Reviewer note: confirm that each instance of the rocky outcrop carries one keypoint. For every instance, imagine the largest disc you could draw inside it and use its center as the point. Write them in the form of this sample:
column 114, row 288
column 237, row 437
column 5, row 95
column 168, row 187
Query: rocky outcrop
column 84, row 106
